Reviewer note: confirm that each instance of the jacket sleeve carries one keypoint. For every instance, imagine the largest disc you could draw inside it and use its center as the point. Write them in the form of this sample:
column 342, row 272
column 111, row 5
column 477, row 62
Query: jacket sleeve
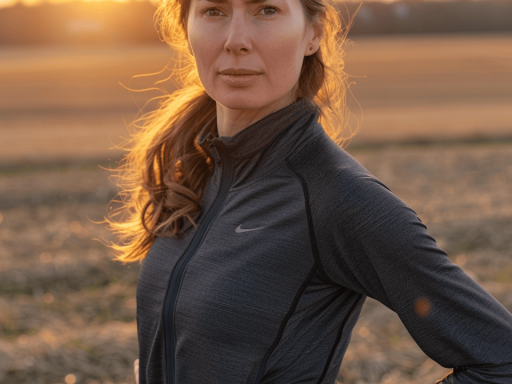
column 371, row 242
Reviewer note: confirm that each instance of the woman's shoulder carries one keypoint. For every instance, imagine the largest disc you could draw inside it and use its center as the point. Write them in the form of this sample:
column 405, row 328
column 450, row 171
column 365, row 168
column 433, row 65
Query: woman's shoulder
column 331, row 173
column 345, row 199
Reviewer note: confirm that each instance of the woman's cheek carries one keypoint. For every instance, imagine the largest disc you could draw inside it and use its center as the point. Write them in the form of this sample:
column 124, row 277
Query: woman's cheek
column 204, row 55
column 284, row 57
column 202, row 38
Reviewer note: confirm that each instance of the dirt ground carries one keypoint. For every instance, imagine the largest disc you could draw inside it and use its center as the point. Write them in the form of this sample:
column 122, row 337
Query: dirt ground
column 67, row 309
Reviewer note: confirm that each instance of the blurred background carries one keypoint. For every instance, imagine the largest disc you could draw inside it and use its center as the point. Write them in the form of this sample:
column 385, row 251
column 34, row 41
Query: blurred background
column 431, row 96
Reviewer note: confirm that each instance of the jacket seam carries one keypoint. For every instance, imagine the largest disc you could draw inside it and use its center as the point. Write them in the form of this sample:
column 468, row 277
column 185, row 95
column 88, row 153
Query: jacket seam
column 311, row 230
column 337, row 341
column 263, row 364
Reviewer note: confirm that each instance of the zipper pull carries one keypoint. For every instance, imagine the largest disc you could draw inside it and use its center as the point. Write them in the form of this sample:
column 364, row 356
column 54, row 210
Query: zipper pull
column 215, row 153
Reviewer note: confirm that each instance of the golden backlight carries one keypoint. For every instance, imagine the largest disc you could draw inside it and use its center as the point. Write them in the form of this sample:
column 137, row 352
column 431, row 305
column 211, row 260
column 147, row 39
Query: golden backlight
column 7, row 3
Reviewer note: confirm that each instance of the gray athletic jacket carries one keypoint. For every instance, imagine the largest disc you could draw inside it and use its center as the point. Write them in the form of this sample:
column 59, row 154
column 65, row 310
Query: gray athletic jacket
column 293, row 236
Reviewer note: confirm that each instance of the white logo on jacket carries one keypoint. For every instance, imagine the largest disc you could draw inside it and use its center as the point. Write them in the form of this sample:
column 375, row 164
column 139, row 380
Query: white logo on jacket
column 240, row 230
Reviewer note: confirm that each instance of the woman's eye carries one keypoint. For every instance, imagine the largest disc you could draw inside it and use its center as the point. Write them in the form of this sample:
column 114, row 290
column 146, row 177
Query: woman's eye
column 215, row 11
column 274, row 9
column 211, row 10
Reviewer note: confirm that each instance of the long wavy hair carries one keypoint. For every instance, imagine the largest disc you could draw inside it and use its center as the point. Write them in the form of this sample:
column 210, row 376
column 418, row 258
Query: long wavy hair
column 162, row 177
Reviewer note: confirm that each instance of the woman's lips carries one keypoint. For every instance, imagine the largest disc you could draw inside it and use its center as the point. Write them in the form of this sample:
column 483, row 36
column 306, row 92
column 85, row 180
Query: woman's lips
column 239, row 80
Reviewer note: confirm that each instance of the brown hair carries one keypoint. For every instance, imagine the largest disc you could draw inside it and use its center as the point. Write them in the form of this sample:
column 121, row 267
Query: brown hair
column 163, row 175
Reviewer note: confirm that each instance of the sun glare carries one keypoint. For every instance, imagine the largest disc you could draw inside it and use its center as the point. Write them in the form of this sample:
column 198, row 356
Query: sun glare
column 8, row 3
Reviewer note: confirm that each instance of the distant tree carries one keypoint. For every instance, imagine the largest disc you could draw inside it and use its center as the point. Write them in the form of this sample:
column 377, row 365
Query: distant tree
column 110, row 22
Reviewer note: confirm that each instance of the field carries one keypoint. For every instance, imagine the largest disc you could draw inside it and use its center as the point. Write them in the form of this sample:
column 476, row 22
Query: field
column 436, row 130
column 67, row 103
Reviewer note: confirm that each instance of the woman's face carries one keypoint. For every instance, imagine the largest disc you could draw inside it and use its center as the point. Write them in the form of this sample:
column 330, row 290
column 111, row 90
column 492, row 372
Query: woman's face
column 270, row 37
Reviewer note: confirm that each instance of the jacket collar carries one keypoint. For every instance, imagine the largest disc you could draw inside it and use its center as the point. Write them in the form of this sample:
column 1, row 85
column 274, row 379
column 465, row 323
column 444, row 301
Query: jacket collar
column 258, row 135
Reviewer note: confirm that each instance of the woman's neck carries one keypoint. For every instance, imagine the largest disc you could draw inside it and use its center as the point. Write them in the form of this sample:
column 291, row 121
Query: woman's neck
column 231, row 121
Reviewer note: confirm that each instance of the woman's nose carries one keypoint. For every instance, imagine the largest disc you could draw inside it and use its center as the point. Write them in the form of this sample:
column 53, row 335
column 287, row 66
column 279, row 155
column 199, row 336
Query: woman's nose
column 238, row 34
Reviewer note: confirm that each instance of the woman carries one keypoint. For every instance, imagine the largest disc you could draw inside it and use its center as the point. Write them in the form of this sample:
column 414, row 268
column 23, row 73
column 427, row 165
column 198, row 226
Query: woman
column 261, row 237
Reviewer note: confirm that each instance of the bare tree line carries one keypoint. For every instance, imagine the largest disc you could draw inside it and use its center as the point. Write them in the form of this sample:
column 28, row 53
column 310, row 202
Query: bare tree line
column 111, row 22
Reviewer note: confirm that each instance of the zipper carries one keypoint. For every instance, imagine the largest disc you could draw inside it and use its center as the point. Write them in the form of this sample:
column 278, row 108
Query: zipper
column 179, row 269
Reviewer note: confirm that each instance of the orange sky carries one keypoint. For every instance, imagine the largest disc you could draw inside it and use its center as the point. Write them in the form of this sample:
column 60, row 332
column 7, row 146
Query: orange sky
column 6, row 3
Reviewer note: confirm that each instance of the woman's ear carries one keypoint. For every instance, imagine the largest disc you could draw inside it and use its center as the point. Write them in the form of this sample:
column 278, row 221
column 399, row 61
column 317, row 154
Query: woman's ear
column 315, row 35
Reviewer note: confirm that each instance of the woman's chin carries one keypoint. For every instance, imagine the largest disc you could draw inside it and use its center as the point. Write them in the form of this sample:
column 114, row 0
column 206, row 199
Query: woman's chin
column 239, row 100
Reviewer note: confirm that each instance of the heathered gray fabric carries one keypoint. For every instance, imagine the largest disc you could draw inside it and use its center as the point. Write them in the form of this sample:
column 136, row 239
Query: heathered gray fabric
column 282, row 300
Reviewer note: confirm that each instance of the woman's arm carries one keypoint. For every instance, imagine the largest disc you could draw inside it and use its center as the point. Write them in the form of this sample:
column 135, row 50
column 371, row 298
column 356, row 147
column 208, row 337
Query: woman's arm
column 136, row 370
column 371, row 242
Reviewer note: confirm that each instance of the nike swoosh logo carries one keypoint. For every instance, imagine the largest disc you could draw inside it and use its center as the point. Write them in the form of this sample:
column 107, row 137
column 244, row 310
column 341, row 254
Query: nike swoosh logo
column 240, row 230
